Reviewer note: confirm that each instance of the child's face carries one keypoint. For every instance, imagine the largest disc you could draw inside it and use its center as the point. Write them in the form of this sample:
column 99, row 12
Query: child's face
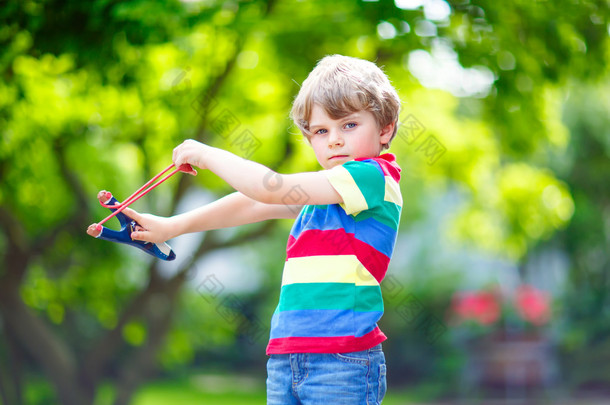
column 337, row 141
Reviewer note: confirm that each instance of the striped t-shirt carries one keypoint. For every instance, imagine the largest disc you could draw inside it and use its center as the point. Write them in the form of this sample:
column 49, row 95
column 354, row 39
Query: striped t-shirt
column 336, row 257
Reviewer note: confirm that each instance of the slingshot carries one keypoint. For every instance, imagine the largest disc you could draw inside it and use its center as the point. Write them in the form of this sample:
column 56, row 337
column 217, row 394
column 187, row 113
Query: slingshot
column 159, row 250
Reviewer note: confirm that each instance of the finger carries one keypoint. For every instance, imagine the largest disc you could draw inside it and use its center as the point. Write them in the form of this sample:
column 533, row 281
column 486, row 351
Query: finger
column 134, row 215
column 176, row 155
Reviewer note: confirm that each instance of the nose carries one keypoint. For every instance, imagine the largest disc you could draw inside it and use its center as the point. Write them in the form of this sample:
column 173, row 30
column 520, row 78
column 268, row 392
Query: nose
column 334, row 139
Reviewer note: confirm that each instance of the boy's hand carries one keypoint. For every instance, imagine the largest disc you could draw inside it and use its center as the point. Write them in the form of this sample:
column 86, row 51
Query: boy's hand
column 152, row 228
column 191, row 152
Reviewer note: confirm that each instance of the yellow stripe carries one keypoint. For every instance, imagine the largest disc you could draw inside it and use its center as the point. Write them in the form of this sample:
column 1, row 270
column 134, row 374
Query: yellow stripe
column 342, row 181
column 326, row 269
column 392, row 191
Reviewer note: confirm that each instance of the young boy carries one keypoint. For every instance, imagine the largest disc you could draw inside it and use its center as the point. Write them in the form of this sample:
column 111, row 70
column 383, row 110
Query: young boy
column 325, row 345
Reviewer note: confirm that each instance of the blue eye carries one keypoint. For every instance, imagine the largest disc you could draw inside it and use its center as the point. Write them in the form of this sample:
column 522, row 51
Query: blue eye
column 320, row 131
column 351, row 125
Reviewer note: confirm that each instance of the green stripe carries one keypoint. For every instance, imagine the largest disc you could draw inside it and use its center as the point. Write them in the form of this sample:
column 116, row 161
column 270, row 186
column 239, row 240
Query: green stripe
column 387, row 213
column 369, row 180
column 309, row 209
column 330, row 296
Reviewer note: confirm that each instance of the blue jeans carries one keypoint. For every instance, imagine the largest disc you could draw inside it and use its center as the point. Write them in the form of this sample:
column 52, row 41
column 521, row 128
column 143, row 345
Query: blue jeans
column 339, row 379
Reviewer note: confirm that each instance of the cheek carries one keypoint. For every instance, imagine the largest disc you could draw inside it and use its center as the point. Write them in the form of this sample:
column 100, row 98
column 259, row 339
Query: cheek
column 316, row 145
column 361, row 142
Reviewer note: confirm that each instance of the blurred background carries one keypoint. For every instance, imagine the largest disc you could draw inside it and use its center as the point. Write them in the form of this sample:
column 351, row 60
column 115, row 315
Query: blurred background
column 498, row 289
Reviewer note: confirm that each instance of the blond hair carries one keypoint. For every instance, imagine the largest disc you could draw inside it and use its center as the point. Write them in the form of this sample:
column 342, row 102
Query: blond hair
column 342, row 85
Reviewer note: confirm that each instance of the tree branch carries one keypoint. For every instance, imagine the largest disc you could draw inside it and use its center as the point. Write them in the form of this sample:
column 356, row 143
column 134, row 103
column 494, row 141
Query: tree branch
column 208, row 95
column 74, row 222
column 210, row 243
column 204, row 98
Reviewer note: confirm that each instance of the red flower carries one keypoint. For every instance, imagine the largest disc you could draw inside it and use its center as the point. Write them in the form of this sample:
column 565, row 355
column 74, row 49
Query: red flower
column 481, row 307
column 533, row 305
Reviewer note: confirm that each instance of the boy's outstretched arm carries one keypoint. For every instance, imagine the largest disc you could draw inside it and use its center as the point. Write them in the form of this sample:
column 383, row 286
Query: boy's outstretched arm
column 257, row 181
column 232, row 210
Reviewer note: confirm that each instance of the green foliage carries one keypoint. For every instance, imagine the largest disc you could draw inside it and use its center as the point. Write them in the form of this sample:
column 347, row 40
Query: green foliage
column 96, row 94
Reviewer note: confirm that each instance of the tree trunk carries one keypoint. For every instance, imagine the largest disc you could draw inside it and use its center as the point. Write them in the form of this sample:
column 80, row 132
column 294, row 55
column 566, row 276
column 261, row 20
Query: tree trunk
column 13, row 386
column 142, row 364
column 34, row 336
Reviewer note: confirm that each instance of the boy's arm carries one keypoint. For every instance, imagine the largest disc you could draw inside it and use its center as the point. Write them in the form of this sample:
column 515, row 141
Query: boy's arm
column 232, row 210
column 257, row 181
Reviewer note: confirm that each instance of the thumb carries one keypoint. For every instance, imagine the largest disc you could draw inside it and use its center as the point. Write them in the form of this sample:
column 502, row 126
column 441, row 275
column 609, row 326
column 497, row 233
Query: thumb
column 142, row 235
column 150, row 227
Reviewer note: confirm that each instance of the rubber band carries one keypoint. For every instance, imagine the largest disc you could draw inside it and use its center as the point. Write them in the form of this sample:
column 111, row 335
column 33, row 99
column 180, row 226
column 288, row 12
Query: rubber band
column 142, row 191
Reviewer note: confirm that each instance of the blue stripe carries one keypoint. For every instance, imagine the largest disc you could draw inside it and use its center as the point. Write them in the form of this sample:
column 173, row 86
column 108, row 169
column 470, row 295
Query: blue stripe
column 320, row 217
column 378, row 235
column 370, row 231
column 323, row 323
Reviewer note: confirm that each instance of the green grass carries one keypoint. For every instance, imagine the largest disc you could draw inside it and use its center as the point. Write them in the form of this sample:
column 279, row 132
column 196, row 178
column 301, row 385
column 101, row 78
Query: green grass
column 204, row 389
column 215, row 389
column 227, row 390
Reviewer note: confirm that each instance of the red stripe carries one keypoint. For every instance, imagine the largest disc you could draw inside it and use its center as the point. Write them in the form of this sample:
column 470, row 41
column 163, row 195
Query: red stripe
column 340, row 344
column 388, row 164
column 317, row 242
column 337, row 242
column 390, row 169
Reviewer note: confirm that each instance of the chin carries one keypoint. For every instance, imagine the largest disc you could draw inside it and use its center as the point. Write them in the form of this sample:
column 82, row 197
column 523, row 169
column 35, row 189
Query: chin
column 334, row 163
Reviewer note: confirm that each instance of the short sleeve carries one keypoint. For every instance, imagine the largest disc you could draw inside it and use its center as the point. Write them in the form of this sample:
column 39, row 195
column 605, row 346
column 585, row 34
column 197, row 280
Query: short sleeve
column 361, row 184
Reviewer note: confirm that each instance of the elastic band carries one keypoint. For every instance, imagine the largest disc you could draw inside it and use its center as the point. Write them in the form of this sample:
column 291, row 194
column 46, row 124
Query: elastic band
column 142, row 191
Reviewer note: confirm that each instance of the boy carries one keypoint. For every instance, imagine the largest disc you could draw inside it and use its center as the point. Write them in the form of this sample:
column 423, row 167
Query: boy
column 325, row 346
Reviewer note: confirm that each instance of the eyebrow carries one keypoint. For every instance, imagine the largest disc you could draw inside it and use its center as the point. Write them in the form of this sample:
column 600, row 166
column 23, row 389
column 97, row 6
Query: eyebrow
column 352, row 116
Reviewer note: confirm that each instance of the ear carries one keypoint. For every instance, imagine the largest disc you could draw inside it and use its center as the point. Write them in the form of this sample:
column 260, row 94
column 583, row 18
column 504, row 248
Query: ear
column 385, row 136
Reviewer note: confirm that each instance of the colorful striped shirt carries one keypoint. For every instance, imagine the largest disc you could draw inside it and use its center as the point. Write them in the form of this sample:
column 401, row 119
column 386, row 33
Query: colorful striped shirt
column 336, row 256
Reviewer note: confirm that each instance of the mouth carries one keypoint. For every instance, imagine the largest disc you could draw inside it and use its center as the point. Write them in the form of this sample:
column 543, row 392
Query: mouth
column 337, row 157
